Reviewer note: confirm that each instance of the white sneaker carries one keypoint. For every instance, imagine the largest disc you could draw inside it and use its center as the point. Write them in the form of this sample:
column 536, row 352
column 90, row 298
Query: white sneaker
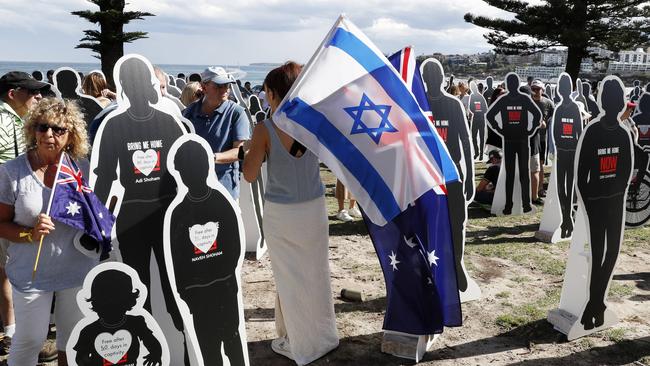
column 282, row 347
column 344, row 216
column 355, row 212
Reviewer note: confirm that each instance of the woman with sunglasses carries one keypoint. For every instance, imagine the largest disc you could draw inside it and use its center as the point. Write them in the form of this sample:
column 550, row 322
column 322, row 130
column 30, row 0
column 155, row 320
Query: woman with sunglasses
column 51, row 128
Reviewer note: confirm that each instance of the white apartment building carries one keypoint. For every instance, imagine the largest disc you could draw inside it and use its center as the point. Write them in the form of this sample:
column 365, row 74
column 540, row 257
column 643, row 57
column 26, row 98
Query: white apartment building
column 637, row 60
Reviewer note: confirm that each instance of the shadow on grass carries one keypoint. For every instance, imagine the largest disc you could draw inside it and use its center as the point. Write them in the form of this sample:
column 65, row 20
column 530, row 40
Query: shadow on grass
column 642, row 279
column 358, row 350
column 377, row 305
column 537, row 332
column 503, row 235
column 621, row 353
column 477, row 211
column 340, row 228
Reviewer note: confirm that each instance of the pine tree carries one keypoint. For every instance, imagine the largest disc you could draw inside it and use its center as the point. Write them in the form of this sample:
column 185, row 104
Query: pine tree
column 577, row 25
column 108, row 42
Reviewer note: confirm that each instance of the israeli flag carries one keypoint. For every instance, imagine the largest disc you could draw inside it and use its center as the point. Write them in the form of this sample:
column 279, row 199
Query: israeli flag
column 352, row 109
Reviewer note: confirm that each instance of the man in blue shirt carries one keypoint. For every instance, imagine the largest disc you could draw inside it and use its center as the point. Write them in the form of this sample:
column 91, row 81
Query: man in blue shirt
column 222, row 123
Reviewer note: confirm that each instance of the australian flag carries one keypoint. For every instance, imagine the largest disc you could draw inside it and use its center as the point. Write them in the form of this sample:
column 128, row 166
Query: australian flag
column 352, row 108
column 74, row 203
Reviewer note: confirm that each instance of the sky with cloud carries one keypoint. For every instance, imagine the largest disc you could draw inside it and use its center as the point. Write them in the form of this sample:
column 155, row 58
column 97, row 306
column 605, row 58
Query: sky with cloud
column 242, row 31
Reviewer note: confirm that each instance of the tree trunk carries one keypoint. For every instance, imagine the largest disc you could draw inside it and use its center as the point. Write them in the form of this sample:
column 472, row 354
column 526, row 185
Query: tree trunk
column 573, row 61
column 111, row 50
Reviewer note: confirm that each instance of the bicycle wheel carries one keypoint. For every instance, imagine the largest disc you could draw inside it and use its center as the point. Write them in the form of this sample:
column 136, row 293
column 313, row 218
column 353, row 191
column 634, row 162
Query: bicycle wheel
column 637, row 209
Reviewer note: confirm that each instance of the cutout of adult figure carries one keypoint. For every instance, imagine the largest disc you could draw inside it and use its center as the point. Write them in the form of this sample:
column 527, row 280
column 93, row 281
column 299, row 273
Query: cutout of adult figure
column 487, row 94
column 567, row 127
column 635, row 94
column 592, row 106
column 513, row 108
column 549, row 92
column 136, row 139
column 478, row 107
column 579, row 97
column 68, row 83
column 603, row 171
column 204, row 253
column 450, row 122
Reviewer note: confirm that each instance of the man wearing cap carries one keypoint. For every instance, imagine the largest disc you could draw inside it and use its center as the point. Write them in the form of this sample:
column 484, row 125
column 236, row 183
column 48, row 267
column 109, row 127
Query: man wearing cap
column 19, row 91
column 222, row 123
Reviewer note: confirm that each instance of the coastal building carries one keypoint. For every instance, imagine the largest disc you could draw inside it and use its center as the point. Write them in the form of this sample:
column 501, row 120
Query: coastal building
column 631, row 61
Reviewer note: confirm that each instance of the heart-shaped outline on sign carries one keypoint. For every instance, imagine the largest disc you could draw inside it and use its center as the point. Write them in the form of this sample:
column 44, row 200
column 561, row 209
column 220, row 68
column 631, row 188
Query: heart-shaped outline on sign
column 124, row 345
column 145, row 161
column 203, row 236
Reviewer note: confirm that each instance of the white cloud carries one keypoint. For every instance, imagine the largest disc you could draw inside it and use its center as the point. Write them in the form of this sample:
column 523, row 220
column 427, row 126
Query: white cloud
column 244, row 31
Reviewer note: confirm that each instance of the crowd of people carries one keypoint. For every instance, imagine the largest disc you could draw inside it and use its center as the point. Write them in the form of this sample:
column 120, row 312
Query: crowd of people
column 36, row 128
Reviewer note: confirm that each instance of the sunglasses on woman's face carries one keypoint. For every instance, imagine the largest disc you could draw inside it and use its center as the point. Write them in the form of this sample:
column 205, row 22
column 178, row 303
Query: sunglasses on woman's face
column 56, row 130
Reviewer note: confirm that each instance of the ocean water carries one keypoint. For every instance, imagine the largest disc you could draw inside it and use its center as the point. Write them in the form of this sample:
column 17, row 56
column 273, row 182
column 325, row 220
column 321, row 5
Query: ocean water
column 254, row 73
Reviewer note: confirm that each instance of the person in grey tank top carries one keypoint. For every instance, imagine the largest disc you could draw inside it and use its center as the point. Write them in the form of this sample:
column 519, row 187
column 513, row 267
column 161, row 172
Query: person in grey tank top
column 296, row 231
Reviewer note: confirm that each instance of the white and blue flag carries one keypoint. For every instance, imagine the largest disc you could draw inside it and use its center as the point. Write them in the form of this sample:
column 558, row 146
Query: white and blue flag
column 351, row 107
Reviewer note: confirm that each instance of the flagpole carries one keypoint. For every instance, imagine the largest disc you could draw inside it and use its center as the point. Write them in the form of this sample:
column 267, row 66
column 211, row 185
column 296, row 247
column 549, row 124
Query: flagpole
column 47, row 212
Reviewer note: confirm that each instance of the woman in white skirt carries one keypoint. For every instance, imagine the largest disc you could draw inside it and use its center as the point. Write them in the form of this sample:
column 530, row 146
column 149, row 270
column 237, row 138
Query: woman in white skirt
column 296, row 231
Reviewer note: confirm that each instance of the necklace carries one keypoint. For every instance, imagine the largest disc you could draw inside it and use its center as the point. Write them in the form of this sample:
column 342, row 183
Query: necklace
column 42, row 167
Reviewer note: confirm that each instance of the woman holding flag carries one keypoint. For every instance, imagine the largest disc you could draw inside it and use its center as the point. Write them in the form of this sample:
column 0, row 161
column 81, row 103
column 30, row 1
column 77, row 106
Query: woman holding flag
column 26, row 182
column 296, row 230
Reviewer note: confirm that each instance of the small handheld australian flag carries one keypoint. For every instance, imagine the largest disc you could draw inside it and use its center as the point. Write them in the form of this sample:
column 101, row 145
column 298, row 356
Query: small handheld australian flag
column 74, row 204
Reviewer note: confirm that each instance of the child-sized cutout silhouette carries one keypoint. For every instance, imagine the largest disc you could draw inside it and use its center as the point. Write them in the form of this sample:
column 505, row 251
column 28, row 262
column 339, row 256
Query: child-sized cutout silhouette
column 116, row 329
column 204, row 247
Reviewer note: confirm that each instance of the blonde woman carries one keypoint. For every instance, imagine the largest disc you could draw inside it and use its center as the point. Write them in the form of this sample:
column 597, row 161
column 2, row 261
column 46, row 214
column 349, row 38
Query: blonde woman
column 51, row 128
column 191, row 93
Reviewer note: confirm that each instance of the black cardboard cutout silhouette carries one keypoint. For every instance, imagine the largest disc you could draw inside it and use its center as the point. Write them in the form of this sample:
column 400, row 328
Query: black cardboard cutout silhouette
column 448, row 116
column 580, row 96
column 489, row 89
column 128, row 162
column 635, row 94
column 603, row 171
column 549, row 92
column 557, row 220
column 204, row 250
column 68, row 83
column 254, row 104
column 515, row 117
column 592, row 105
column 116, row 329
column 477, row 107
column 251, row 199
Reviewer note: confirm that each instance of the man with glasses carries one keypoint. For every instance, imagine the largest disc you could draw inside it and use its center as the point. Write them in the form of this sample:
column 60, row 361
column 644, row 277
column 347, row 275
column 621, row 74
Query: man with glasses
column 19, row 91
column 223, row 123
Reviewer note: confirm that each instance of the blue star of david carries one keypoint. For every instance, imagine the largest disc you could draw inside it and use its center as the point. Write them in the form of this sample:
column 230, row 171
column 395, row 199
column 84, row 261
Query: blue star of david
column 359, row 127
